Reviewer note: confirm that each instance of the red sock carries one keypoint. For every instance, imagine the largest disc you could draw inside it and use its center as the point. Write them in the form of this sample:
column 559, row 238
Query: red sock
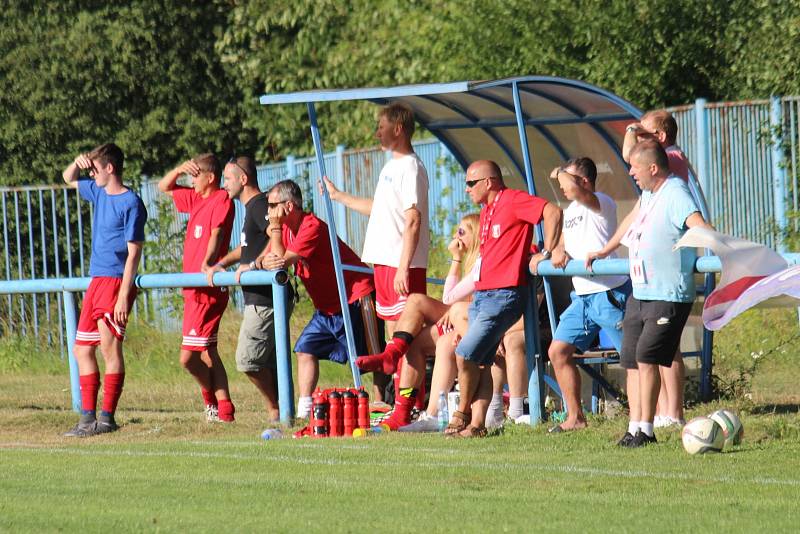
column 90, row 385
column 226, row 410
column 386, row 361
column 401, row 416
column 112, row 389
column 208, row 397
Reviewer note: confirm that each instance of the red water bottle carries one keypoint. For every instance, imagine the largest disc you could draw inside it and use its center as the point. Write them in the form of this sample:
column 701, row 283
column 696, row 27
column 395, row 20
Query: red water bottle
column 336, row 419
column 349, row 405
column 363, row 409
column 319, row 415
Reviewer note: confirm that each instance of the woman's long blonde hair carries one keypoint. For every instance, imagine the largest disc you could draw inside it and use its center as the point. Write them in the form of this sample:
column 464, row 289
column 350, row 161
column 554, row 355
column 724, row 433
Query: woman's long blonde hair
column 473, row 222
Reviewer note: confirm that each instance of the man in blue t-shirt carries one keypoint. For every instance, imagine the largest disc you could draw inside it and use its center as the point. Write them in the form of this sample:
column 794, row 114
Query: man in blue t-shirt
column 117, row 237
column 663, row 282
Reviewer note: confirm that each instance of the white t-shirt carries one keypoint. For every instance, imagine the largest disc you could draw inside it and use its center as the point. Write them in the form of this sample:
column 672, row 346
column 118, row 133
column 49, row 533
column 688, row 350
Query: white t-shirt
column 403, row 184
column 586, row 231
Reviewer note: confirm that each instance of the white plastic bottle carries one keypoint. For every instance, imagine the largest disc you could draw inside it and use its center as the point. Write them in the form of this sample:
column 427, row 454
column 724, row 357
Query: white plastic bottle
column 272, row 433
column 444, row 416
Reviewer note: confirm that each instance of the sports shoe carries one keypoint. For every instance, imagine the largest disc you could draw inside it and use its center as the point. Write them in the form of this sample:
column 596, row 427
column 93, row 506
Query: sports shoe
column 106, row 424
column 641, row 440
column 424, row 423
column 212, row 414
column 86, row 427
column 626, row 440
column 494, row 421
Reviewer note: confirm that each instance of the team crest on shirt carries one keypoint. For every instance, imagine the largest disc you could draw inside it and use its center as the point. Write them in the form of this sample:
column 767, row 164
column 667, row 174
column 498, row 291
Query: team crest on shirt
column 495, row 231
column 198, row 231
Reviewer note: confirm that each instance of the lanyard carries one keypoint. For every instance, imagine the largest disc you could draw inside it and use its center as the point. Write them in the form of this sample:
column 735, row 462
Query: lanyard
column 487, row 222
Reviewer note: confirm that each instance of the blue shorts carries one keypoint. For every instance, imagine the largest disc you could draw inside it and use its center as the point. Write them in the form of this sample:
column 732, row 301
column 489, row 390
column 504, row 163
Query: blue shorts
column 587, row 314
column 491, row 313
column 324, row 337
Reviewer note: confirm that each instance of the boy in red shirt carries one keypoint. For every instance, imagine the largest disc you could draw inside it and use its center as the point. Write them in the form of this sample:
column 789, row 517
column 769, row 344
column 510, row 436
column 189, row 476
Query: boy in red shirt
column 208, row 235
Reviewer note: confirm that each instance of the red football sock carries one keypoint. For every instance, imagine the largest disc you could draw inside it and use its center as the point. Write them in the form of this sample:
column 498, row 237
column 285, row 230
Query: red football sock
column 112, row 390
column 90, row 385
column 386, row 361
column 401, row 416
column 208, row 397
column 226, row 410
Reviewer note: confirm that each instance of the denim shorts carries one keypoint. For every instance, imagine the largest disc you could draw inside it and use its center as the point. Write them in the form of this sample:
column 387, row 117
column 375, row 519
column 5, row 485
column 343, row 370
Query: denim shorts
column 491, row 313
column 587, row 314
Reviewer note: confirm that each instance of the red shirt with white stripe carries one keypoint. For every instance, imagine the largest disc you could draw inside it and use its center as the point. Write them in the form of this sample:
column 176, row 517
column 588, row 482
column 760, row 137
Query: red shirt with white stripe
column 315, row 268
column 506, row 231
column 205, row 214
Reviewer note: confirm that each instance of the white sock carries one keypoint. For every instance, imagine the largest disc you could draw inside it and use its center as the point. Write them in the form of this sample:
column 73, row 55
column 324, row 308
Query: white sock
column 515, row 407
column 303, row 407
column 496, row 406
column 633, row 427
column 647, row 428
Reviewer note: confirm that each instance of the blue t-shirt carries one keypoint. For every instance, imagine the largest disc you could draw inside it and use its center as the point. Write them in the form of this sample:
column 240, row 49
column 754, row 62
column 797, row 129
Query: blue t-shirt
column 117, row 220
column 669, row 274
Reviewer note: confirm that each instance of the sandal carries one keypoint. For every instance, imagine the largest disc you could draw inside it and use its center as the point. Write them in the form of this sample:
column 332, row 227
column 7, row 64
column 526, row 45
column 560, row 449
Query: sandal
column 458, row 422
column 473, row 432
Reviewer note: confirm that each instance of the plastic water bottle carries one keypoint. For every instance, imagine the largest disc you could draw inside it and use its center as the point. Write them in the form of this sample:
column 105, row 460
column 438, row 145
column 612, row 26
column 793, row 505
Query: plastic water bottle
column 272, row 433
column 444, row 416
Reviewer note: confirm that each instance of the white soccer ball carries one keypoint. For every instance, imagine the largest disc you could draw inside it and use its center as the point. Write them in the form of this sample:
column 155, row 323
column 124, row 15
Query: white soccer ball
column 731, row 426
column 702, row 435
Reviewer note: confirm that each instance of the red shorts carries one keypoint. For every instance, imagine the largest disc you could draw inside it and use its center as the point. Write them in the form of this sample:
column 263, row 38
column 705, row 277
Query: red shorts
column 388, row 303
column 202, row 312
column 98, row 304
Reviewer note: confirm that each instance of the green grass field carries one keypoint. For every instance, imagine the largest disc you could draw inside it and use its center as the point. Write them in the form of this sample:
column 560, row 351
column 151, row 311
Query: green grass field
column 167, row 470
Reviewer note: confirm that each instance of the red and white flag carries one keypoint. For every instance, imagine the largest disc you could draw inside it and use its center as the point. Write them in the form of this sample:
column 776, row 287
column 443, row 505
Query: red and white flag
column 752, row 275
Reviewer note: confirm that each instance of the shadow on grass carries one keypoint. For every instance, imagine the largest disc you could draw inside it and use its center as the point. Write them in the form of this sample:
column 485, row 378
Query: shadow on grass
column 776, row 409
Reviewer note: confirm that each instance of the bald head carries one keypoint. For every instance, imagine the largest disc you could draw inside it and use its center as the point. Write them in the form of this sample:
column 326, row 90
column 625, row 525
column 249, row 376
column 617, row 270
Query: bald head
column 482, row 169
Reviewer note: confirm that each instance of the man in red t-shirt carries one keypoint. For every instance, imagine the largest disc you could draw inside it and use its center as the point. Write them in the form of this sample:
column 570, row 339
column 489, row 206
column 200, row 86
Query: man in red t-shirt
column 208, row 235
column 506, row 230
column 301, row 239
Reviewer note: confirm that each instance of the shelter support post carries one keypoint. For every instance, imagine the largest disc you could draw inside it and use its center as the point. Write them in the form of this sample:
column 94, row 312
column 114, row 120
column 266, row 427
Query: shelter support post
column 280, row 300
column 71, row 323
column 337, row 260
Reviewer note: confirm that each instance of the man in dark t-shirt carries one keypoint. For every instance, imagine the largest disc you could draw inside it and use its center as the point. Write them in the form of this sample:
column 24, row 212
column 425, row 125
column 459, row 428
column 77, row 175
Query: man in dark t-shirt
column 255, row 351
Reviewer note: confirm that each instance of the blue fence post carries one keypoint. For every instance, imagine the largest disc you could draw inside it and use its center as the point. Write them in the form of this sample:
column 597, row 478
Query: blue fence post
column 702, row 140
column 778, row 169
column 291, row 171
column 280, row 302
column 338, row 178
column 72, row 330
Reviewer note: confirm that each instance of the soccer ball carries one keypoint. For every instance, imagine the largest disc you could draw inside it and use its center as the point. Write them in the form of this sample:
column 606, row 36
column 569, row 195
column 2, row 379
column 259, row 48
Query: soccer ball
column 702, row 435
column 731, row 426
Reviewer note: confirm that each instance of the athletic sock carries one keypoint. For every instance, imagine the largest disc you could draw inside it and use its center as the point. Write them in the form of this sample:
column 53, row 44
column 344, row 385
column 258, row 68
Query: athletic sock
column 496, row 407
column 633, row 427
column 401, row 416
column 208, row 397
column 647, row 428
column 515, row 408
column 303, row 407
column 112, row 390
column 226, row 410
column 386, row 361
column 90, row 385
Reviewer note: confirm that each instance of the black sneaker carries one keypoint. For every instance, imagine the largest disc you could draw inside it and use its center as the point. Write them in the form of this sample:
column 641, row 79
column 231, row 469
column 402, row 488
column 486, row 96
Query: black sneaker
column 642, row 440
column 106, row 425
column 86, row 427
column 626, row 440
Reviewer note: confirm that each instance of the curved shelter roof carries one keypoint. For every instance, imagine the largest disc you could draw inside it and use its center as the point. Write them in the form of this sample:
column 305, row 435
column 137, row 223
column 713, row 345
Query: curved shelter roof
column 477, row 120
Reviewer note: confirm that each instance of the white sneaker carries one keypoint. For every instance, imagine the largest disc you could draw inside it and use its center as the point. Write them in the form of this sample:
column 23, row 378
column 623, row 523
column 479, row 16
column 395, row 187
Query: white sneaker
column 661, row 421
column 424, row 423
column 212, row 414
column 494, row 421
column 523, row 420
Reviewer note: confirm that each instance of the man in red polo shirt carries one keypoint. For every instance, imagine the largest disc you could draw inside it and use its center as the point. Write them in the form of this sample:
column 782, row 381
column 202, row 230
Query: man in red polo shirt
column 301, row 239
column 208, row 235
column 501, row 277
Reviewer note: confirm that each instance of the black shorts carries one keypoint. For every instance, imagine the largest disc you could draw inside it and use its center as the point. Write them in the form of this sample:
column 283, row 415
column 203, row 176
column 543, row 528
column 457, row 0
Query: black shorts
column 651, row 331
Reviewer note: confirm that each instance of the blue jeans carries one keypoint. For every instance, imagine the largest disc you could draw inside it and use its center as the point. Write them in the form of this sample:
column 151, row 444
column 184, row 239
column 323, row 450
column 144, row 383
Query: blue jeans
column 491, row 313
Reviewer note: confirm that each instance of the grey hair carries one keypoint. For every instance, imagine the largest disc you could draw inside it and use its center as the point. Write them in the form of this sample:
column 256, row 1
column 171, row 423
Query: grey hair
column 289, row 190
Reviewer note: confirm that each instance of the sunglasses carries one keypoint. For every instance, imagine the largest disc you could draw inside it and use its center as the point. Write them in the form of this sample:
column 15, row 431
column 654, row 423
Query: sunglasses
column 273, row 205
column 473, row 183
column 234, row 161
column 461, row 232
